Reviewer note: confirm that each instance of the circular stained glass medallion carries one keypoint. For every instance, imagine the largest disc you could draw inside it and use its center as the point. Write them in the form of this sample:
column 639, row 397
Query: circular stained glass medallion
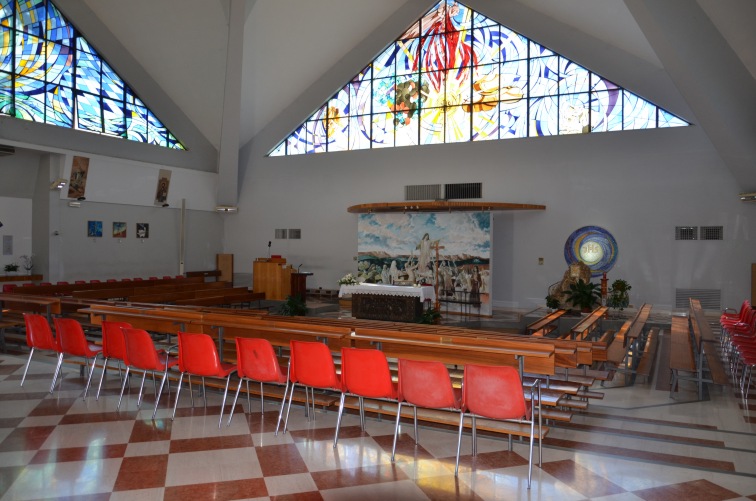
column 594, row 246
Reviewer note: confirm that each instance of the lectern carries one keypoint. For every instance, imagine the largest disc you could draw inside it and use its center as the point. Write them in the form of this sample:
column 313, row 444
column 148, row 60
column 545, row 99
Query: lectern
column 272, row 276
column 299, row 284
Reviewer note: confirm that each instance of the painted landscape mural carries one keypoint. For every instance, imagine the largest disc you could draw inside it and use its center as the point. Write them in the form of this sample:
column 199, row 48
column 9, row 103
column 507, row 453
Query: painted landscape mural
column 452, row 250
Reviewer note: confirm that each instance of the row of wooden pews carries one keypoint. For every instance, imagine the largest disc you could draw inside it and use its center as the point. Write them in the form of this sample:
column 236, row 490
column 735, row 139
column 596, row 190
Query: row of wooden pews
column 694, row 351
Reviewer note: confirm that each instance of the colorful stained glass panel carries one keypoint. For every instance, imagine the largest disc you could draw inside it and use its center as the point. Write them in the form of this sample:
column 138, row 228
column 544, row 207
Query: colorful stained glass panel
column 457, row 75
column 59, row 106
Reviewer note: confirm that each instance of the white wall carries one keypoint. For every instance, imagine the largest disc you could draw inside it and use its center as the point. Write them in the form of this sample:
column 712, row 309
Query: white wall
column 16, row 216
column 117, row 190
column 638, row 185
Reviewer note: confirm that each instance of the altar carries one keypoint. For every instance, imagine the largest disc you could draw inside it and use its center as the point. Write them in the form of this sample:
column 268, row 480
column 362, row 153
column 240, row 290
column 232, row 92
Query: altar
column 394, row 303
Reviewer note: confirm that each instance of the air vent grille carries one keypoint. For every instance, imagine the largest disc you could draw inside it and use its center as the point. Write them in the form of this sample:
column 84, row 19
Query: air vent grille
column 686, row 232
column 711, row 299
column 280, row 233
column 712, row 233
column 295, row 233
column 463, row 191
column 422, row 192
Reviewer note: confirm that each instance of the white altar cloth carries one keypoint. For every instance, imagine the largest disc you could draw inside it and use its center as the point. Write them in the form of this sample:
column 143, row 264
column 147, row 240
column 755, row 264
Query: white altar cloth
column 425, row 293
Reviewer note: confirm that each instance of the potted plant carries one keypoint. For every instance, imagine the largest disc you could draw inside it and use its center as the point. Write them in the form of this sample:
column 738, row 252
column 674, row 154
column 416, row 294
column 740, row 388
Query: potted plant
column 552, row 302
column 293, row 307
column 619, row 295
column 583, row 295
column 11, row 269
column 430, row 316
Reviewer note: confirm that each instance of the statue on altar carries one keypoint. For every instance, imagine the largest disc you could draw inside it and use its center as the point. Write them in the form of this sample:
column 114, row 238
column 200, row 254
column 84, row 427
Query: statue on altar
column 575, row 272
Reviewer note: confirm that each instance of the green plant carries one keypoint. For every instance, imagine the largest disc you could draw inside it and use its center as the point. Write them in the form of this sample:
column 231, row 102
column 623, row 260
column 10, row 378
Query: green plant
column 619, row 295
column 11, row 267
column 293, row 307
column 430, row 316
column 552, row 302
column 583, row 295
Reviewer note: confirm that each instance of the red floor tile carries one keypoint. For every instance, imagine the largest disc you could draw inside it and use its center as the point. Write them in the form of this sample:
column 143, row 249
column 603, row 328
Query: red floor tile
column 219, row 491
column 78, row 454
column 142, row 472
column 697, row 490
column 280, row 460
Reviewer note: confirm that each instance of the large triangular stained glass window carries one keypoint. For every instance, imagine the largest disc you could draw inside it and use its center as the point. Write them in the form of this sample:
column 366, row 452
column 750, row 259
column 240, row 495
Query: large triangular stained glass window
column 49, row 73
column 456, row 75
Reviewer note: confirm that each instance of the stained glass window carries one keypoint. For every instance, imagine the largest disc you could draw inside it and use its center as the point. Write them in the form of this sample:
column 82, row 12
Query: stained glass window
column 456, row 75
column 50, row 74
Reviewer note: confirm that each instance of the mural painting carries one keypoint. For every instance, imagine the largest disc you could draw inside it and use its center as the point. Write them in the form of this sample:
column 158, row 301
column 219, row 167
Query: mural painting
column 452, row 250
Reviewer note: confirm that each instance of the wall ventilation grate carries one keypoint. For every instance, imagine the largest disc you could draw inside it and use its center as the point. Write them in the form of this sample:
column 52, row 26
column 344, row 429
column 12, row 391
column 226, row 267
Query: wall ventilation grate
column 711, row 299
column 463, row 191
column 280, row 233
column 712, row 233
column 295, row 233
column 686, row 232
column 422, row 192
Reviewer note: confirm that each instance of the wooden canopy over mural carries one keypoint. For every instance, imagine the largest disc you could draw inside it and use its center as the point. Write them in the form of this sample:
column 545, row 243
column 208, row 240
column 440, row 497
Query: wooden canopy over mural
column 439, row 206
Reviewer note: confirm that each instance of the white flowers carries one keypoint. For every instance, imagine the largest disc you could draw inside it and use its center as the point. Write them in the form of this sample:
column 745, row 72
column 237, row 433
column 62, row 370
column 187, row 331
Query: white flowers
column 348, row 279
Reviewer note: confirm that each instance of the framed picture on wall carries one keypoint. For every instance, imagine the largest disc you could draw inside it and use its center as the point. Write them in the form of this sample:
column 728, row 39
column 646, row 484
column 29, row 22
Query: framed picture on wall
column 119, row 230
column 143, row 230
column 94, row 228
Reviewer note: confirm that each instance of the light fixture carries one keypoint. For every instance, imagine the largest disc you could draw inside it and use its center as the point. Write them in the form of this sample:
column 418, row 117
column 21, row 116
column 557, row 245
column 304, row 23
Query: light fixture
column 74, row 203
column 226, row 209
column 165, row 204
column 748, row 197
column 81, row 199
column 58, row 184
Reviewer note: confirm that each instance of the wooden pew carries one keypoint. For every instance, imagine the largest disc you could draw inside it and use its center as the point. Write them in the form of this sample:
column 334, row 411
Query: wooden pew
column 709, row 367
column 681, row 355
column 69, row 289
column 583, row 329
column 545, row 325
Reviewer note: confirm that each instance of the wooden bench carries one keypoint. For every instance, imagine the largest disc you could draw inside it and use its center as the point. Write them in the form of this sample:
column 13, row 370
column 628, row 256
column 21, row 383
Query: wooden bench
column 646, row 364
column 681, row 355
column 545, row 325
column 583, row 329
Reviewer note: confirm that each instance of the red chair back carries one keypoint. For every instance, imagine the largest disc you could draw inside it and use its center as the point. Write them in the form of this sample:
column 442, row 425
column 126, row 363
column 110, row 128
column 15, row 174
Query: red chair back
column 311, row 364
column 256, row 359
column 70, row 337
column 140, row 350
column 111, row 280
column 113, row 342
column 427, row 384
column 63, row 282
column 79, row 282
column 9, row 287
column 493, row 392
column 198, row 355
column 138, row 279
column 94, row 281
column 38, row 332
column 366, row 373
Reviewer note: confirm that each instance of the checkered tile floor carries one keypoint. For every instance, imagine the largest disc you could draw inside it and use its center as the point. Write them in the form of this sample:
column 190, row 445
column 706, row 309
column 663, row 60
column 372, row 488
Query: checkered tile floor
column 635, row 444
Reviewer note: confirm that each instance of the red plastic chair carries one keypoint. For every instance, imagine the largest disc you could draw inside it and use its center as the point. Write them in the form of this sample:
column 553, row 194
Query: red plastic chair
column 125, row 280
column 153, row 278
column 257, row 361
column 167, row 277
column 142, row 355
column 94, row 281
column 71, row 340
column 111, row 280
column 79, row 282
column 425, row 384
column 39, row 336
column 310, row 365
column 63, row 282
column 113, row 346
column 495, row 392
column 198, row 356
column 365, row 373
column 7, row 288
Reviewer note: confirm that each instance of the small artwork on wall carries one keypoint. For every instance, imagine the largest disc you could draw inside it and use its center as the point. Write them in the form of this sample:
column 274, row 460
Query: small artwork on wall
column 77, row 184
column 143, row 230
column 119, row 230
column 94, row 228
column 164, row 182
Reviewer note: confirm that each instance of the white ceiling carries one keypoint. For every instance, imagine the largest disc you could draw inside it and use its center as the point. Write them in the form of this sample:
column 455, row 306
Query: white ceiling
column 290, row 44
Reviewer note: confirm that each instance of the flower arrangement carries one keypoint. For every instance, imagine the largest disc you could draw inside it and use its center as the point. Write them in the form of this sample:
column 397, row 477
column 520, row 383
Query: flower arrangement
column 27, row 262
column 11, row 268
column 348, row 279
